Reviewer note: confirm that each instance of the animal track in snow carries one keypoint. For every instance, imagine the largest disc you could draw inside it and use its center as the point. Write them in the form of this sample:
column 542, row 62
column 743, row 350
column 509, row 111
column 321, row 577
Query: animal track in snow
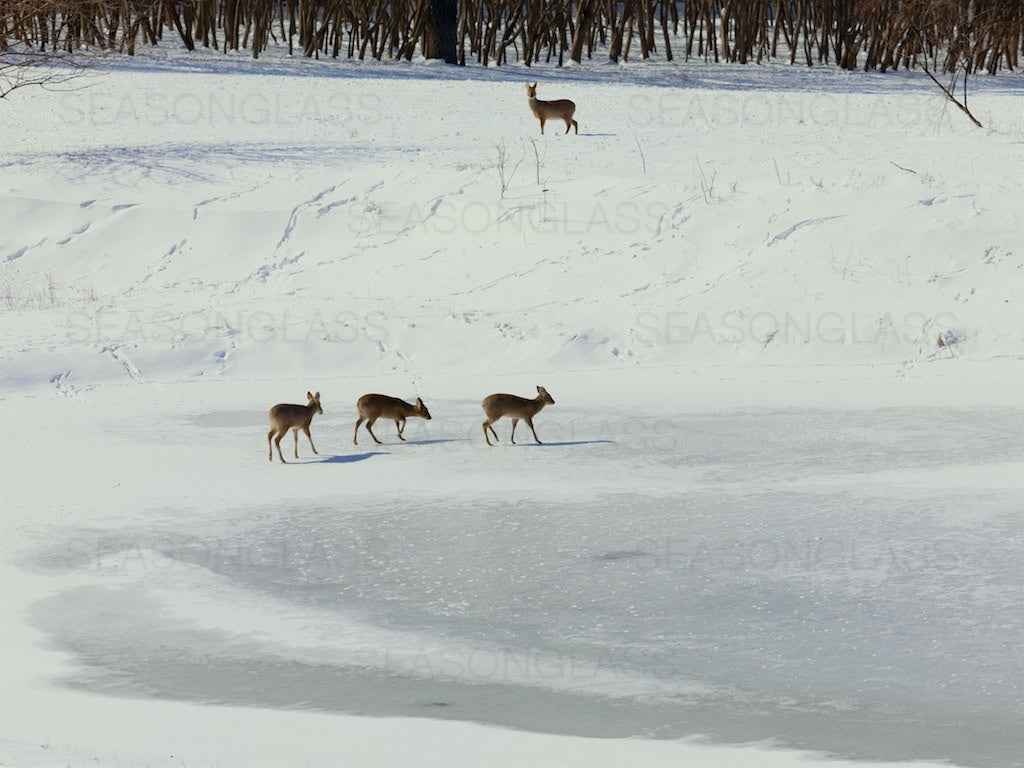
column 323, row 211
column 160, row 265
column 294, row 217
column 800, row 225
column 991, row 255
column 22, row 251
column 221, row 199
column 63, row 386
column 75, row 234
column 265, row 271
column 122, row 358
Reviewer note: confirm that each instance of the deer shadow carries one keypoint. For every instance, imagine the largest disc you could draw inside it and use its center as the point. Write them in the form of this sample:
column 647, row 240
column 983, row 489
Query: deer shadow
column 438, row 440
column 350, row 458
column 567, row 442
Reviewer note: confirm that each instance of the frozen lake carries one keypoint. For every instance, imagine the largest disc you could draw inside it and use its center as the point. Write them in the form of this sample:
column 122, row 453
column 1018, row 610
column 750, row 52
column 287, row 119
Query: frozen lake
column 840, row 581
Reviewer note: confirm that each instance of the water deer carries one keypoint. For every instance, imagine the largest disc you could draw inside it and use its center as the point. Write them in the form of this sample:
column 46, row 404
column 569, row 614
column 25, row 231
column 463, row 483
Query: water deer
column 285, row 416
column 373, row 407
column 562, row 109
column 516, row 408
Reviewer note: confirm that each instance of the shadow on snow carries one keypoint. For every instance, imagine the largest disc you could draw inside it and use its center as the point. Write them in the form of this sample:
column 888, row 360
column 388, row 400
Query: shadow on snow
column 350, row 458
column 565, row 443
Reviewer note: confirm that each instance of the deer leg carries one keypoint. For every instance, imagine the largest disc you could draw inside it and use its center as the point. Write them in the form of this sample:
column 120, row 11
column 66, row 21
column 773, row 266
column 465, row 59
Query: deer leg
column 530, row 423
column 270, row 447
column 355, row 435
column 487, row 437
column 568, row 124
column 295, row 432
column 277, row 441
column 306, row 430
column 369, row 428
column 576, row 126
column 400, row 426
column 542, row 126
column 513, row 438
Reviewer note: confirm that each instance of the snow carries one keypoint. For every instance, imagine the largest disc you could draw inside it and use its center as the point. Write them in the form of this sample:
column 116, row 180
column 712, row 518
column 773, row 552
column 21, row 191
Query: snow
column 775, row 521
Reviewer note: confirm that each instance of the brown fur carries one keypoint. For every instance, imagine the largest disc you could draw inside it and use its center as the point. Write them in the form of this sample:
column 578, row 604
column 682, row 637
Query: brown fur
column 516, row 408
column 285, row 416
column 562, row 109
column 372, row 407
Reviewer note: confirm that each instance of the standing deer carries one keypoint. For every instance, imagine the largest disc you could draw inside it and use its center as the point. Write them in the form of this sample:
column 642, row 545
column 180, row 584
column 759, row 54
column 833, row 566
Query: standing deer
column 516, row 408
column 562, row 109
column 372, row 407
column 285, row 416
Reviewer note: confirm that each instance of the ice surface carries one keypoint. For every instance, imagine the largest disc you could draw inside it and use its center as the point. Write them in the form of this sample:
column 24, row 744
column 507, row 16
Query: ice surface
column 769, row 581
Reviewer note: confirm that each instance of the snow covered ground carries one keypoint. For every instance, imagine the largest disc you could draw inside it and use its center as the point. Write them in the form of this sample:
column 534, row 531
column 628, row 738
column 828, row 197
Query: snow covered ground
column 778, row 503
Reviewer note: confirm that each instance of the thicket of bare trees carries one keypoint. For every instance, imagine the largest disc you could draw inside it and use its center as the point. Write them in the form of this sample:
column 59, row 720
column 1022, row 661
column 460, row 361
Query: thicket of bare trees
column 965, row 36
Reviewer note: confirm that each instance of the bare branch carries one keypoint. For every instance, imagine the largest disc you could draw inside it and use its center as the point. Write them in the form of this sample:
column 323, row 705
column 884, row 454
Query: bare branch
column 908, row 170
column 48, row 70
column 961, row 105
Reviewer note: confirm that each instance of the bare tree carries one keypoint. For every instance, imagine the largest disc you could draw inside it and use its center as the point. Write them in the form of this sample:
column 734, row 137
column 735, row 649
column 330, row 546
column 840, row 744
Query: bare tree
column 975, row 35
column 44, row 69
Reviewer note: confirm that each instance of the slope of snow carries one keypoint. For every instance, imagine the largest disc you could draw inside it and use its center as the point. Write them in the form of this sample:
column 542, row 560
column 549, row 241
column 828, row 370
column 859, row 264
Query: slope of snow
column 779, row 500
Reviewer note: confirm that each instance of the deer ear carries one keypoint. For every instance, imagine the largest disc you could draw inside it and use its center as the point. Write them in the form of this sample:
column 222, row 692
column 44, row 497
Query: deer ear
column 540, row 388
column 309, row 395
column 317, row 397
column 534, row 85
column 419, row 402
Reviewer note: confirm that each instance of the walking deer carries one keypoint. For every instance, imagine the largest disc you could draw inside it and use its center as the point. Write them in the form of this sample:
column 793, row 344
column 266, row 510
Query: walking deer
column 562, row 109
column 516, row 408
column 285, row 416
column 372, row 407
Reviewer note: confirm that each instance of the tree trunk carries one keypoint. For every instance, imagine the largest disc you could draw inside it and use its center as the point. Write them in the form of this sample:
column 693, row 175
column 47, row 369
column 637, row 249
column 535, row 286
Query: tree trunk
column 584, row 19
column 441, row 31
